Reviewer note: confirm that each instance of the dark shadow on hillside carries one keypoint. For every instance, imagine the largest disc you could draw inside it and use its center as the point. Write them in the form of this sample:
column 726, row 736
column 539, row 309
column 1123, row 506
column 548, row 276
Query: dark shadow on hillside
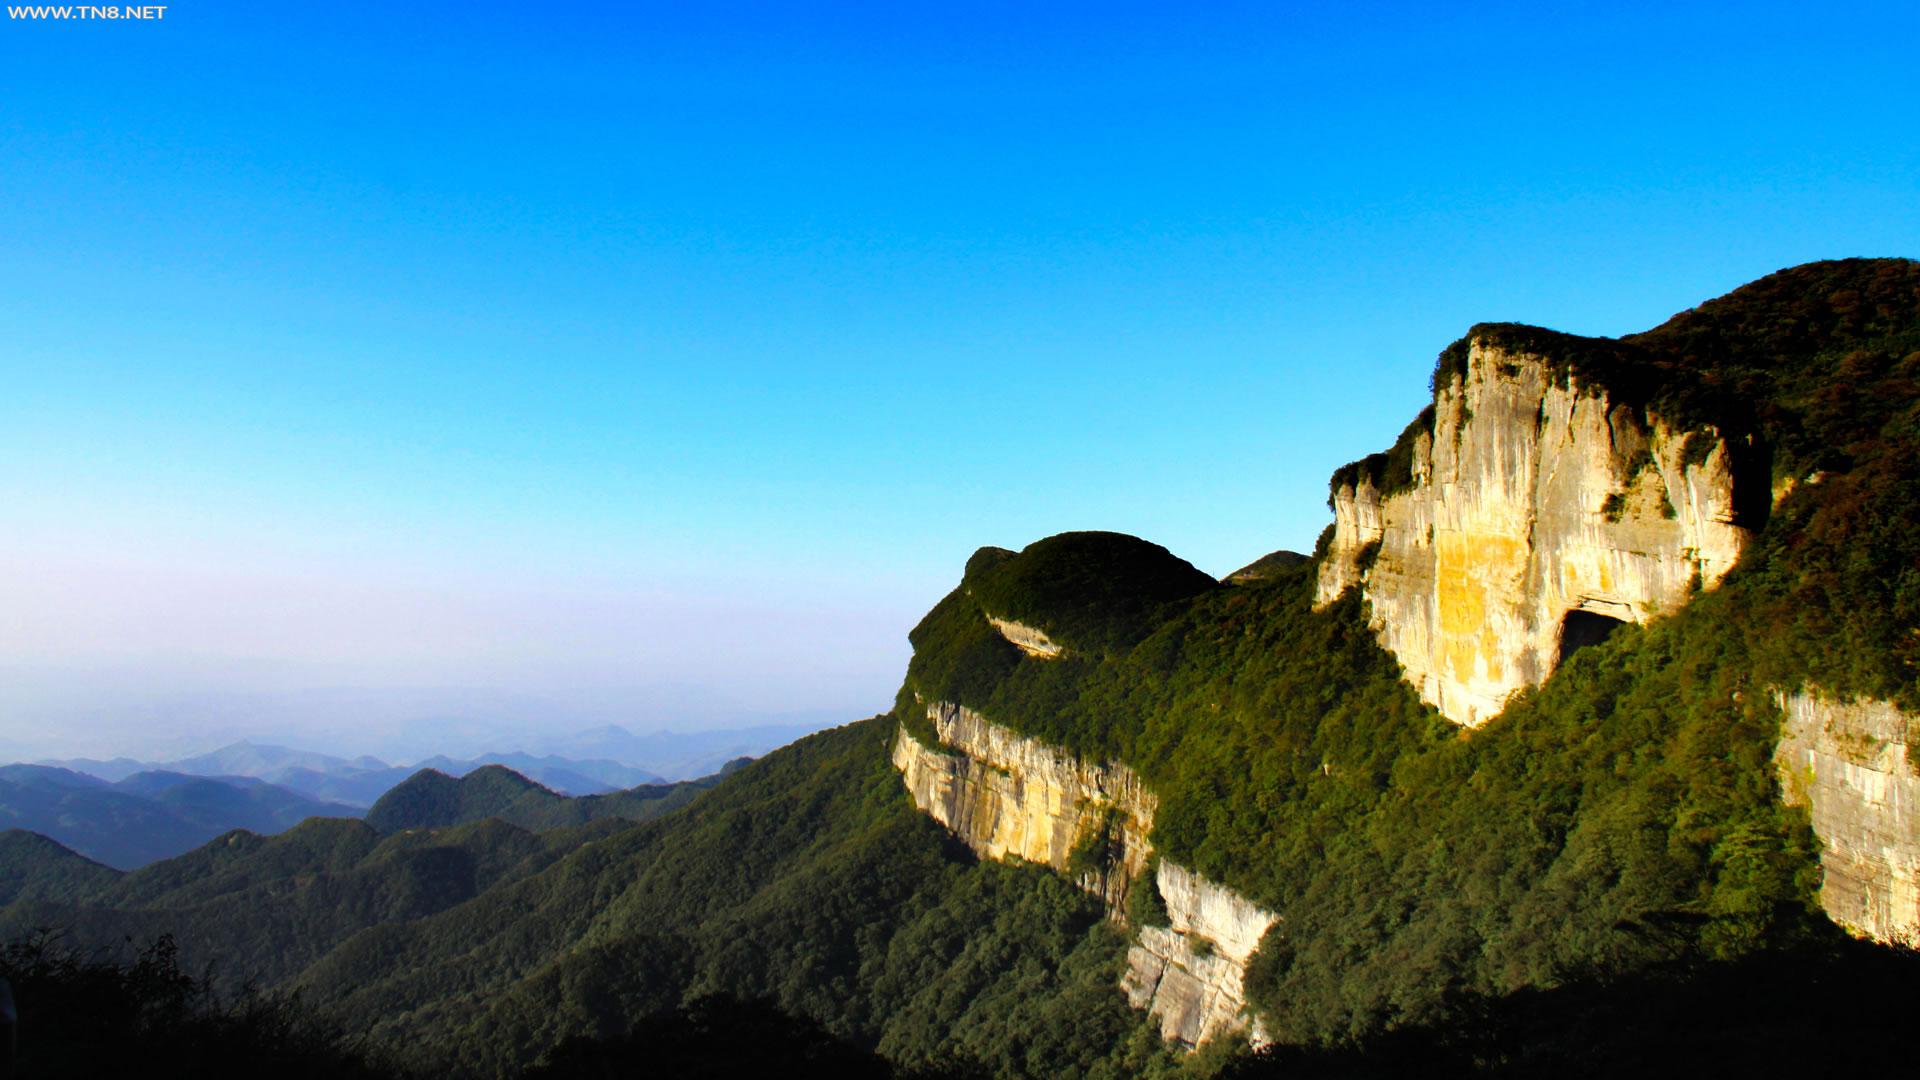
column 1834, row 1010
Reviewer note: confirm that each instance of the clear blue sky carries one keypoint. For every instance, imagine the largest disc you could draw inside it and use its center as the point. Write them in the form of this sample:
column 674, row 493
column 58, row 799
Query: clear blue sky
column 559, row 346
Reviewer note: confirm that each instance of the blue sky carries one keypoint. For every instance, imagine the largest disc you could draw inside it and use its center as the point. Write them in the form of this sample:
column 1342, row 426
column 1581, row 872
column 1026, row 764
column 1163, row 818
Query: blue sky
column 599, row 347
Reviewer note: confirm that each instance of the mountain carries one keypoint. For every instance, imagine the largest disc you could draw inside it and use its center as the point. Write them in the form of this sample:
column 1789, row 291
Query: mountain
column 784, row 872
column 363, row 780
column 264, row 761
column 431, row 799
column 356, row 782
column 33, row 867
column 117, row 769
column 146, row 816
column 591, row 777
column 49, row 777
column 1643, row 574
column 354, row 787
column 675, row 755
column 1580, row 744
column 1266, row 566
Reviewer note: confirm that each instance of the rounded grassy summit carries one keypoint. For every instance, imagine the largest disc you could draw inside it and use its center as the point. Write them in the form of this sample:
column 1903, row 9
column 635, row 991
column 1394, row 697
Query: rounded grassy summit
column 1083, row 591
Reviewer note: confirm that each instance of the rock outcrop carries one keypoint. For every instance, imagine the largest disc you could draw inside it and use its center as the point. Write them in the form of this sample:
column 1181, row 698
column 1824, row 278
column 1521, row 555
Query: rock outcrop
column 1849, row 764
column 1535, row 515
column 1030, row 640
column 1008, row 796
column 1191, row 974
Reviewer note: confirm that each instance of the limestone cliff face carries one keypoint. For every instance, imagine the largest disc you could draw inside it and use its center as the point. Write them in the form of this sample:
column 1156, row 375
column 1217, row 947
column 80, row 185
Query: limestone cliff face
column 1006, row 795
column 1848, row 763
column 1191, row 974
column 1528, row 501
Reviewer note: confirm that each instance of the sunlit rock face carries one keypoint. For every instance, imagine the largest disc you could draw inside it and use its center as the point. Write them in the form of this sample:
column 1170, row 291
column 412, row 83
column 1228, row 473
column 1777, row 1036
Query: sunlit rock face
column 1848, row 764
column 1028, row 639
column 1528, row 501
column 1008, row 796
column 1191, row 974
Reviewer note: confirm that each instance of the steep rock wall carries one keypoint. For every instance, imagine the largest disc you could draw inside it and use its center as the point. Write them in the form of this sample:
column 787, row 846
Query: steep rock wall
column 1008, row 796
column 1848, row 763
column 1528, row 500
column 1191, row 974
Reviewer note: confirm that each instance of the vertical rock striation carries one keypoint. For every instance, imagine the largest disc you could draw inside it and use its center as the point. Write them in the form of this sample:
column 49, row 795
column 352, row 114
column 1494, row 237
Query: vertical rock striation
column 1849, row 764
column 1532, row 514
column 1008, row 796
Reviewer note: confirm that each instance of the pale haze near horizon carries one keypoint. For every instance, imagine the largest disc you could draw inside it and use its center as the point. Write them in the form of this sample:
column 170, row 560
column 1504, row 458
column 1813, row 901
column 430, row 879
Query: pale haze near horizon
column 380, row 384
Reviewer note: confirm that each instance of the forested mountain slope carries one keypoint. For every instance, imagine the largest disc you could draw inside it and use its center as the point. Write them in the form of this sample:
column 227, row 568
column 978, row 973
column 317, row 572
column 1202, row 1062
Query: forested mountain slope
column 432, row 799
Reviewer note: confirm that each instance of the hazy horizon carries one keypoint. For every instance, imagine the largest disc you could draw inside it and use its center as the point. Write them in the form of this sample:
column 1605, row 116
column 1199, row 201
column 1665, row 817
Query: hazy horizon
column 398, row 725
column 518, row 364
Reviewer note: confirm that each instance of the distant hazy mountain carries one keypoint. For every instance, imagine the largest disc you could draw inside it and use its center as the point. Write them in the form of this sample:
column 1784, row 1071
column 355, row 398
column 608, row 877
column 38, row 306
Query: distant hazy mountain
column 149, row 815
column 676, row 755
column 431, row 799
column 565, row 775
column 117, row 769
column 355, row 782
column 592, row 762
column 354, row 787
column 264, row 761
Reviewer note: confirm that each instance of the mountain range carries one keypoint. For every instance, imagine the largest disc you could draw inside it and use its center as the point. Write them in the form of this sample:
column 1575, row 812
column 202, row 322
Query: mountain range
column 155, row 814
column 593, row 761
column 148, row 815
column 1581, row 745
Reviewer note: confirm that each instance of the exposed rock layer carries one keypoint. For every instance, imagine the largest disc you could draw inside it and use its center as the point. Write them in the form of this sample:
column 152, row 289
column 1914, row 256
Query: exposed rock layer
column 1529, row 499
column 1006, row 795
column 1028, row 639
column 1848, row 763
column 1191, row 974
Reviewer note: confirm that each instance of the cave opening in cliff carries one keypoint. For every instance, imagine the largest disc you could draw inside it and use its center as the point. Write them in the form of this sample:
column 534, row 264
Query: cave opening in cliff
column 1583, row 628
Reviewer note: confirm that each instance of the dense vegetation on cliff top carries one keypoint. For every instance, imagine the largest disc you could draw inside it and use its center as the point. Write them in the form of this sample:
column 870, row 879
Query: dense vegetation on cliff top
column 1620, row 818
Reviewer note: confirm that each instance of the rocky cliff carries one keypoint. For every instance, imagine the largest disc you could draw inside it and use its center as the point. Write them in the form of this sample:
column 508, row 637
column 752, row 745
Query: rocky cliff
column 1007, row 796
column 1850, row 765
column 1524, row 516
column 1556, row 489
column 1191, row 973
